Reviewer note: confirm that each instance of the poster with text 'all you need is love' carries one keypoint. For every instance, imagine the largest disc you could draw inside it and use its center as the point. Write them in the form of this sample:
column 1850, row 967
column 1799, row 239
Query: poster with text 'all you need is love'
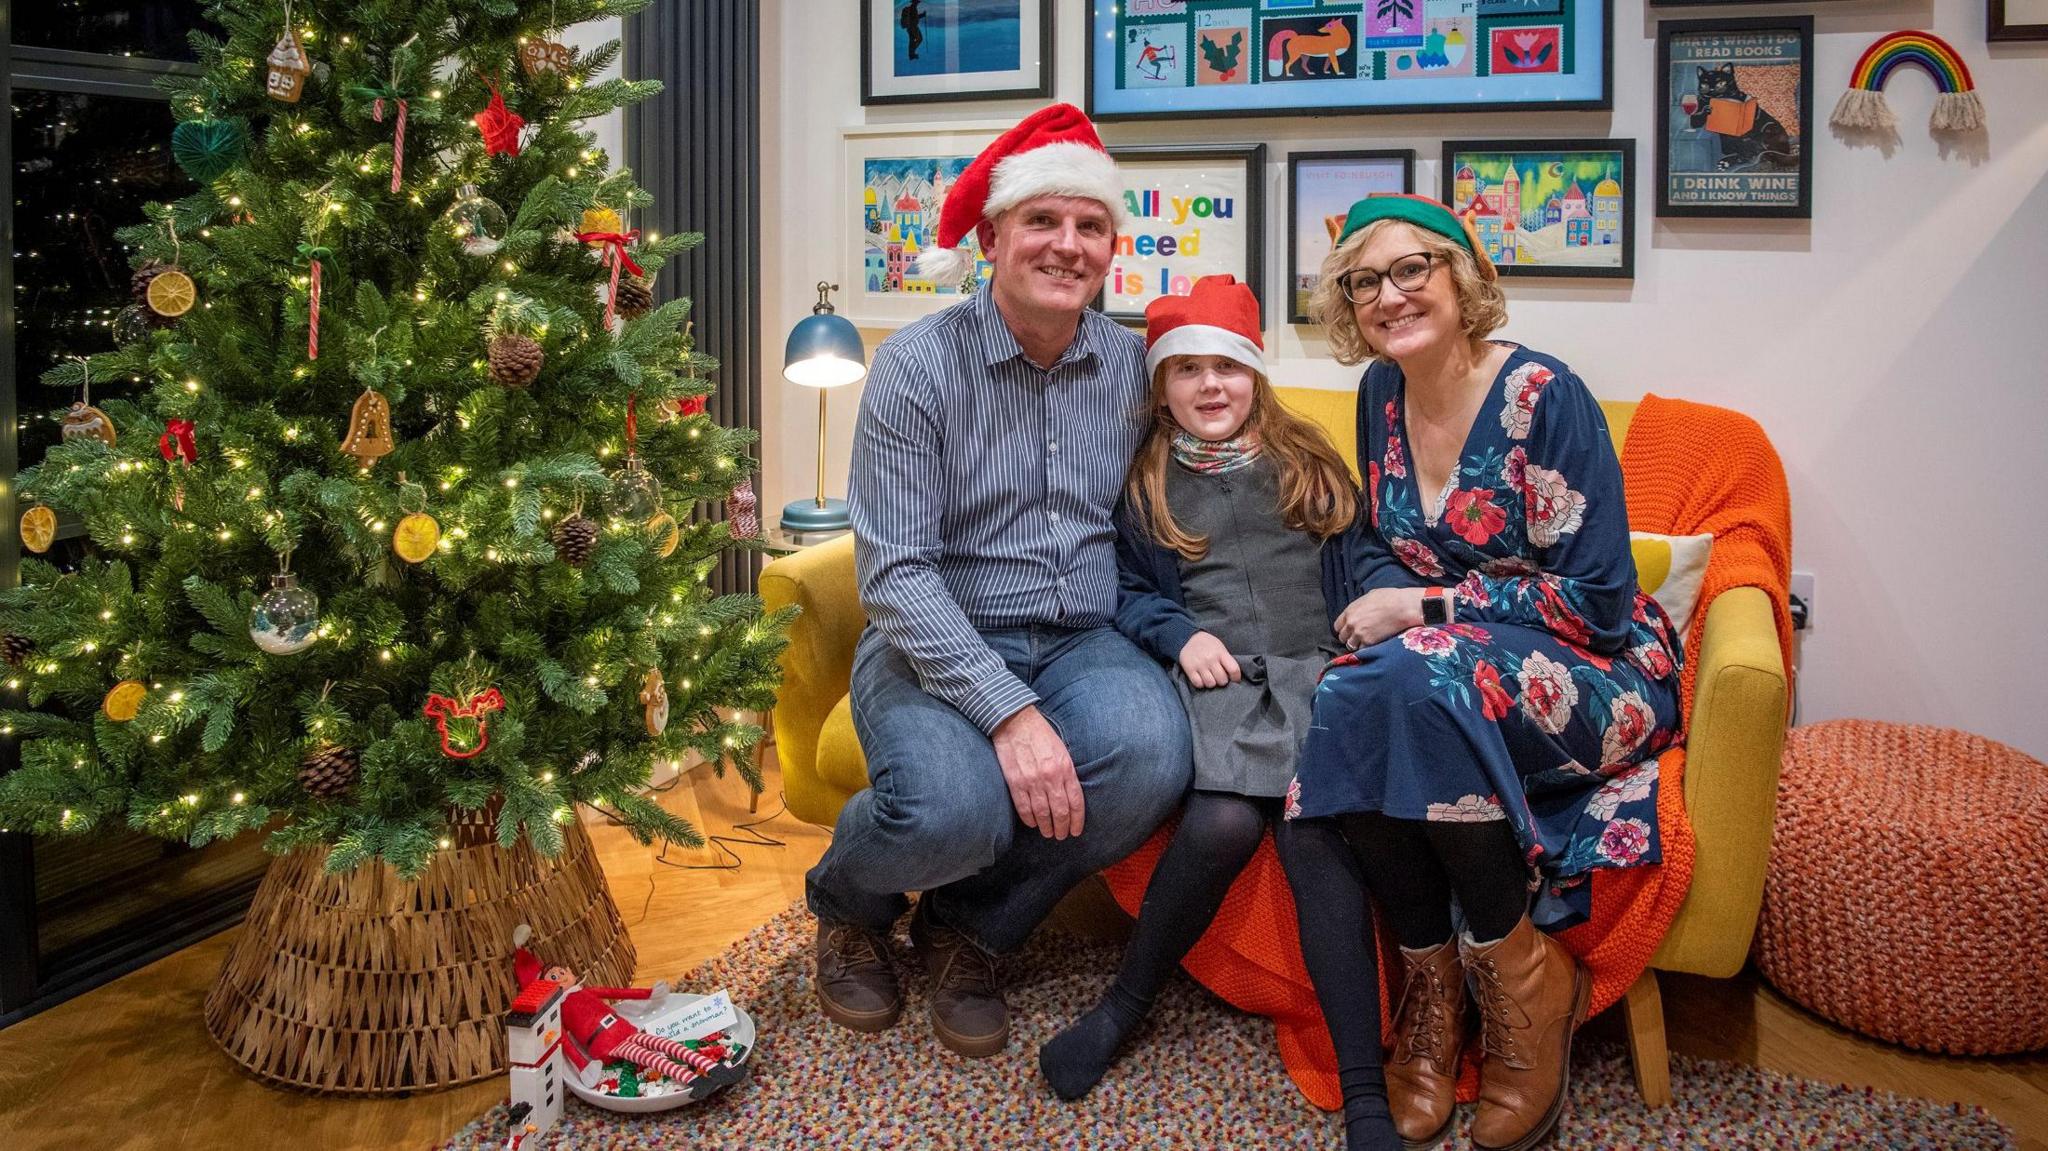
column 1190, row 216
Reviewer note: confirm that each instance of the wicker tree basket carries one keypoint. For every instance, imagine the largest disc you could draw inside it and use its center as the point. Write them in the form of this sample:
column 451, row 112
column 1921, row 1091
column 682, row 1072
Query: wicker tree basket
column 368, row 984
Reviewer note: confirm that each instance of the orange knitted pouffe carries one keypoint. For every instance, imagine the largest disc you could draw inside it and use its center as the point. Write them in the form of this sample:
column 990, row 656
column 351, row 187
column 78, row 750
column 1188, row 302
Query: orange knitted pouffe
column 1907, row 896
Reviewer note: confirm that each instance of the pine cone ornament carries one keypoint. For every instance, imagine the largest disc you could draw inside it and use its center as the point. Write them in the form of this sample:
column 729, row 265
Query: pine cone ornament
column 15, row 649
column 329, row 772
column 515, row 360
column 138, row 287
column 138, row 284
column 575, row 538
column 636, row 299
column 742, row 511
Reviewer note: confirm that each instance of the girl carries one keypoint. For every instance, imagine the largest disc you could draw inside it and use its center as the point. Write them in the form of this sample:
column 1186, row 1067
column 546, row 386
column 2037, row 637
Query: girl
column 1226, row 576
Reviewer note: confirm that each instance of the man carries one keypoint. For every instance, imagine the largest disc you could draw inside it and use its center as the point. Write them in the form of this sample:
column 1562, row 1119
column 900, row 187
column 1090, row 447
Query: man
column 913, row 23
column 1016, row 742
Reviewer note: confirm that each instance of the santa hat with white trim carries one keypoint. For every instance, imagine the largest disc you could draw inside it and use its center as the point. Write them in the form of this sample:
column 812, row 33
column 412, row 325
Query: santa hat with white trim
column 1219, row 317
column 1052, row 152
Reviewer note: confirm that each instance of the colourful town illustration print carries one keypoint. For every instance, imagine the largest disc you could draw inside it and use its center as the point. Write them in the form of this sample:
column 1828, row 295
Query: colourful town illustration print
column 900, row 203
column 1543, row 209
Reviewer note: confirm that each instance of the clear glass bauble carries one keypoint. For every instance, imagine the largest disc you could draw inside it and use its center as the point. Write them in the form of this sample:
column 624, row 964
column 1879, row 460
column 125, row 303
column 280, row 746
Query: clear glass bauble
column 635, row 494
column 131, row 325
column 287, row 619
column 477, row 224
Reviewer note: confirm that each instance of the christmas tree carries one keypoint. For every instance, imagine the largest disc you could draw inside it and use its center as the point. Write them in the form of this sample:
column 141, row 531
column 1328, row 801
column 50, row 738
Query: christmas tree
column 404, row 517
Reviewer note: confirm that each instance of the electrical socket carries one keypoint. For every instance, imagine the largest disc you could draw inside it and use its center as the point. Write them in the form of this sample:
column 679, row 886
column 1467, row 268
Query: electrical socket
column 1802, row 589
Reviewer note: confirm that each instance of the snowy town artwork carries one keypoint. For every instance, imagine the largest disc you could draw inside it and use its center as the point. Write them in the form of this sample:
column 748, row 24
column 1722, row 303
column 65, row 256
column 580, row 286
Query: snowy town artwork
column 900, row 205
column 1563, row 212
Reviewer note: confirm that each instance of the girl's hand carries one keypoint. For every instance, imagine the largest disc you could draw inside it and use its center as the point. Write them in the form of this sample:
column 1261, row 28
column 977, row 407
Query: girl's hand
column 1207, row 662
column 1378, row 614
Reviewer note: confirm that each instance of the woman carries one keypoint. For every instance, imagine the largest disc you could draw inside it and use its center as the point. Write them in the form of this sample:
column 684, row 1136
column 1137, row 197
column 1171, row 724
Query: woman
column 1493, row 735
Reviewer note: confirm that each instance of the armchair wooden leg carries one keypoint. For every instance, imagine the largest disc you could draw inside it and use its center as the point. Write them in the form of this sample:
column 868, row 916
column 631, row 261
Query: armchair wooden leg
column 1643, row 1008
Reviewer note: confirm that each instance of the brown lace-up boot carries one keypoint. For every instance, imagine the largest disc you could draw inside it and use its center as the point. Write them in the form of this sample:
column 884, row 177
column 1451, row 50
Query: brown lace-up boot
column 856, row 981
column 1532, row 995
column 968, row 1012
column 1429, row 1035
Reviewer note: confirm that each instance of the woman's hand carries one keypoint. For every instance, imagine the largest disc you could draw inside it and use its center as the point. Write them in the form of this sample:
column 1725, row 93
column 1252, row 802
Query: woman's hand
column 1378, row 614
column 1207, row 662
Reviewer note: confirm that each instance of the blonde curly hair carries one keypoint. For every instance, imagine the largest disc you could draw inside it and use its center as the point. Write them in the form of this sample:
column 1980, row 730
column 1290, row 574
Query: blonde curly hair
column 1481, row 304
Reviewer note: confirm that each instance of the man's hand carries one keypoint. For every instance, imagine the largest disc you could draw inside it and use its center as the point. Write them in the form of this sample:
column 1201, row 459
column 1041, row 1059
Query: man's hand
column 1043, row 786
column 1207, row 663
column 1378, row 614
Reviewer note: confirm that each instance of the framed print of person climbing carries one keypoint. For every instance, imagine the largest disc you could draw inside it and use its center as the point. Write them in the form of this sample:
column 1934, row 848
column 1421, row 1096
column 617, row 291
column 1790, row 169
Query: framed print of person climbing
column 1735, row 117
column 930, row 51
column 1160, row 59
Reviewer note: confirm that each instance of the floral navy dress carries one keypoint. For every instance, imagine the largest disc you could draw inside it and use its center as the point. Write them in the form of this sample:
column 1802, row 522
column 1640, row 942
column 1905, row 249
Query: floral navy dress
column 1547, row 700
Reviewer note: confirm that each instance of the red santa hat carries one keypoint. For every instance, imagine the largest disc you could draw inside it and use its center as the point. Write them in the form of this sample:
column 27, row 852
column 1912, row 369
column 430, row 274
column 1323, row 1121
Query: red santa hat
column 1052, row 152
column 1220, row 317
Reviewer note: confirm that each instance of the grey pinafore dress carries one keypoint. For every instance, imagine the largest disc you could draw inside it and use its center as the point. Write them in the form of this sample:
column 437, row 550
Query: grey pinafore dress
column 1260, row 591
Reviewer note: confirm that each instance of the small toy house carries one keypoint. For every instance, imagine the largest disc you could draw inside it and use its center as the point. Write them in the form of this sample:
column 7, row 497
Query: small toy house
column 289, row 67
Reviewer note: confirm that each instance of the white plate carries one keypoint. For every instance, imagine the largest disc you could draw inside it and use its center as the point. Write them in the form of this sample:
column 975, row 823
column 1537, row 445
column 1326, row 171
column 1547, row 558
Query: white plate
column 659, row 1022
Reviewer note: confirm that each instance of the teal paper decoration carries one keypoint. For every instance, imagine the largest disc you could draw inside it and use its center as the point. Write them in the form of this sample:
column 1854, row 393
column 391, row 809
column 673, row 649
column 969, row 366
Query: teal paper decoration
column 208, row 149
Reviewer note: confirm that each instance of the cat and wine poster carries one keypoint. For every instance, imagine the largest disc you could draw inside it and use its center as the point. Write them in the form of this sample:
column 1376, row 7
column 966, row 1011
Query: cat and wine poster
column 1735, row 117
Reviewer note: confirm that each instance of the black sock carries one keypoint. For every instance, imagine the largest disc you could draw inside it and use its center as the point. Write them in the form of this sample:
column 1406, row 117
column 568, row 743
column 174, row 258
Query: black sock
column 1217, row 835
column 1335, row 922
column 1486, row 867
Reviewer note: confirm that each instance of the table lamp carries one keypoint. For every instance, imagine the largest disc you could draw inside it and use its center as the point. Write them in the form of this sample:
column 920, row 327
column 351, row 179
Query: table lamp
column 824, row 352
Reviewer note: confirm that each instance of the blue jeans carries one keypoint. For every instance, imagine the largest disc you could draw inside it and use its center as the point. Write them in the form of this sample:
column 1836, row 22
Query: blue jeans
column 937, row 817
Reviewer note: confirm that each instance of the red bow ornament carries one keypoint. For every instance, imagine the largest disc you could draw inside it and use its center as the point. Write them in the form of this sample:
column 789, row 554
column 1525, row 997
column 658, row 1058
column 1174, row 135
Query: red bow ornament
column 177, row 443
column 478, row 707
column 500, row 125
column 692, row 405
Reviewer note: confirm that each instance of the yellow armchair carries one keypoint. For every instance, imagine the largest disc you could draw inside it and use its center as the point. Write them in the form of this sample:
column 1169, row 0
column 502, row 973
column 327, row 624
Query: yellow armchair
column 1731, row 778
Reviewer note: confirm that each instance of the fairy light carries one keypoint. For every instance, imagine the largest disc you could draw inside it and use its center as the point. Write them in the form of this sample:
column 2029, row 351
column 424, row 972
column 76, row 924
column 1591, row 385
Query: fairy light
column 177, row 697
column 236, row 797
column 236, row 201
column 108, row 614
column 511, row 481
column 547, row 777
column 192, row 386
column 127, row 537
column 444, row 843
column 385, row 655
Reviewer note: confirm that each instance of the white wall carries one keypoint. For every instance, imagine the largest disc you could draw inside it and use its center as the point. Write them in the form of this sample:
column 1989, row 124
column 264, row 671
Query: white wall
column 609, row 128
column 1893, row 346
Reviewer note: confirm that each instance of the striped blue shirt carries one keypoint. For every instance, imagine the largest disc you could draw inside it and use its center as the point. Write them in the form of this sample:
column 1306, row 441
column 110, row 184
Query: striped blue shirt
column 984, row 490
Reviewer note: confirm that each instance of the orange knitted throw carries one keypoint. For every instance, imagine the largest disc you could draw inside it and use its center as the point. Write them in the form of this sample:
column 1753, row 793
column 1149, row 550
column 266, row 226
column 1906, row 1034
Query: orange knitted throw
column 1687, row 468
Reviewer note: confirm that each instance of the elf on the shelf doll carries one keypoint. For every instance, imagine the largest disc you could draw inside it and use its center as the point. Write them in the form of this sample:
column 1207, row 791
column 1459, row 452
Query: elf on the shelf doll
column 593, row 1034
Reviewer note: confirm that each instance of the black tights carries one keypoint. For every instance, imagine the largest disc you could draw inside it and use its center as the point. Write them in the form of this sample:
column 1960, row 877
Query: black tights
column 1414, row 868
column 1217, row 835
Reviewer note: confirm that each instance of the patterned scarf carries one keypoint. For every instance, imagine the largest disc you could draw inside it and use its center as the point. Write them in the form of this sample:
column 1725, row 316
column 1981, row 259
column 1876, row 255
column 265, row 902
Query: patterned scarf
column 1214, row 457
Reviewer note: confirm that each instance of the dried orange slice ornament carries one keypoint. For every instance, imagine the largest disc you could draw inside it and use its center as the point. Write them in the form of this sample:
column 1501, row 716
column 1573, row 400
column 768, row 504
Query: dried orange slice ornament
column 38, row 529
column 172, row 293
column 664, row 534
column 125, row 700
column 416, row 538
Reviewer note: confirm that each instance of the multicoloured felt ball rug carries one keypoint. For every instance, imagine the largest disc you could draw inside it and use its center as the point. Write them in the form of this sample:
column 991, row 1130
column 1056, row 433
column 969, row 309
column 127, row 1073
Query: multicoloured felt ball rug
column 1201, row 1077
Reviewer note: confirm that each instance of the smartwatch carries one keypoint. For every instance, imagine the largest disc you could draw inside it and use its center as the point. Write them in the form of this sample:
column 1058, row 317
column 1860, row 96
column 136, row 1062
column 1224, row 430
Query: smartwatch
column 1436, row 607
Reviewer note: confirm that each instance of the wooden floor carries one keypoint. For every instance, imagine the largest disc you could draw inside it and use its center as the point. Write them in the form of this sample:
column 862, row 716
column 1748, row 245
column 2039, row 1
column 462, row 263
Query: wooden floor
column 131, row 1066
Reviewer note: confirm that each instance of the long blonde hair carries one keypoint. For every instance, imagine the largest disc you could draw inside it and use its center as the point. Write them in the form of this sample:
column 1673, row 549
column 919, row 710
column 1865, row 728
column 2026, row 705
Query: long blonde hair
column 1316, row 495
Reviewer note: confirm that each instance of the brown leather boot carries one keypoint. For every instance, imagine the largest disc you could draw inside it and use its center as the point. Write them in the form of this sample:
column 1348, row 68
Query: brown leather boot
column 1430, row 1023
column 968, row 1012
column 856, row 980
column 1532, row 995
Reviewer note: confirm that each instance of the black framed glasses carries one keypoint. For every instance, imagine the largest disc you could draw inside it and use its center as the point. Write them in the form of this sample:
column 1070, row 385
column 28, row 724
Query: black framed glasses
column 1362, row 285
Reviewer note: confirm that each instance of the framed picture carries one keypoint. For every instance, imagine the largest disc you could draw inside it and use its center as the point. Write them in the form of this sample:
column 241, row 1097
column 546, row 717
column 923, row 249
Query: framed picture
column 1161, row 59
column 1194, row 212
column 1735, row 117
column 1548, row 207
column 1321, row 187
column 2017, row 20
column 929, row 51
column 894, row 186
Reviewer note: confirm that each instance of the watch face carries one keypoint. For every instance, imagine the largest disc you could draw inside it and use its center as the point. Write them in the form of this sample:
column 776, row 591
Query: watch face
column 1433, row 609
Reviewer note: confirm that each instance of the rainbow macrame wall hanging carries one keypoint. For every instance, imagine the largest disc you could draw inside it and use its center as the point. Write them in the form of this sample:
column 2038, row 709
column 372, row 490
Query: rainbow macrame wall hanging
column 1957, row 109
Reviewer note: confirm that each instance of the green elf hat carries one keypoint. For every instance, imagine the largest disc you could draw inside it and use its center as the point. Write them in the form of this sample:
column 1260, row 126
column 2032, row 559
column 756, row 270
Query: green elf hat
column 1424, row 213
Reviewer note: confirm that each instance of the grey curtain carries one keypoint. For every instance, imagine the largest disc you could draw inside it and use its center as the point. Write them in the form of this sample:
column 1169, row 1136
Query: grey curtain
column 697, row 148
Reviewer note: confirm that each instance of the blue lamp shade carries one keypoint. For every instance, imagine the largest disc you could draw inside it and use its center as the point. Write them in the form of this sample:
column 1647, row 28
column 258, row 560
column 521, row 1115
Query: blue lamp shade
column 824, row 351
